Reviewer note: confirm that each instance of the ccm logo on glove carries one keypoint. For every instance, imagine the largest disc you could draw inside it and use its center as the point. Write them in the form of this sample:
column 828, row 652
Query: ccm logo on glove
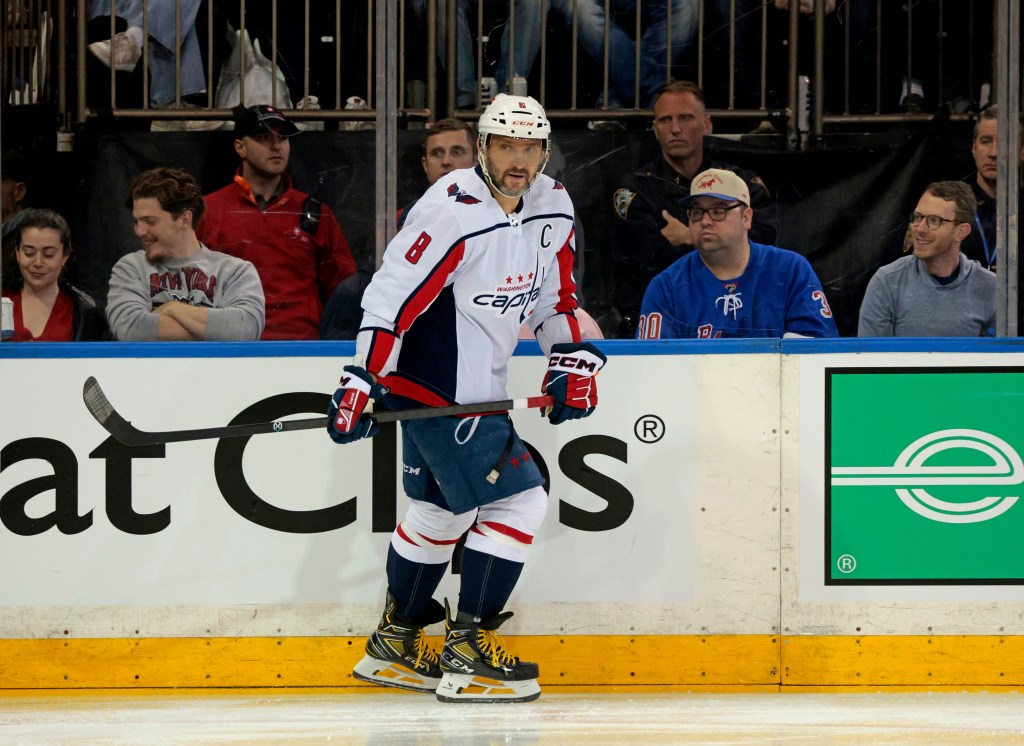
column 570, row 380
column 590, row 363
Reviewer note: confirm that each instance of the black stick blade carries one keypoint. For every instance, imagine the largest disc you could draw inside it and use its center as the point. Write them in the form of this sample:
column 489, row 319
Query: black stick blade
column 101, row 408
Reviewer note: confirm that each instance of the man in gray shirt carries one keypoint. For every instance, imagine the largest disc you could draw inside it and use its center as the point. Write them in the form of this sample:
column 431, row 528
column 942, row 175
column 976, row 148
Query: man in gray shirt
column 937, row 291
column 176, row 288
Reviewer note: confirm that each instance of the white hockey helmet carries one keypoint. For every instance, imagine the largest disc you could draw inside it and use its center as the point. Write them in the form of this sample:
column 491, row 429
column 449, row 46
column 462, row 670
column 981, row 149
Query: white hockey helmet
column 513, row 116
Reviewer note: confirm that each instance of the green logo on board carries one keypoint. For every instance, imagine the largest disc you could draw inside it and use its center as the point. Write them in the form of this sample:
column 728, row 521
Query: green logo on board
column 924, row 476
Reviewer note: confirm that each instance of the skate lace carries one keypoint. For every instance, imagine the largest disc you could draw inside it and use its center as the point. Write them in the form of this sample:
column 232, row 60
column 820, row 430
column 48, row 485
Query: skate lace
column 491, row 645
column 422, row 649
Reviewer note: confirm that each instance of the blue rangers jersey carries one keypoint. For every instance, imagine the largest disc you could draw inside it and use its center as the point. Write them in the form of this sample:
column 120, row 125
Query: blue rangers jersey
column 777, row 294
column 441, row 316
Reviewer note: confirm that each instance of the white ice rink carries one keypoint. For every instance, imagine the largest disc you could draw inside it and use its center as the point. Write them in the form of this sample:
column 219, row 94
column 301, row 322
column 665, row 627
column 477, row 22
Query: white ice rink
column 556, row 718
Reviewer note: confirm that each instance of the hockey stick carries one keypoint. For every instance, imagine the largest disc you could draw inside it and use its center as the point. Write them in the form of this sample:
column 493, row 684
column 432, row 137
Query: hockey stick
column 101, row 408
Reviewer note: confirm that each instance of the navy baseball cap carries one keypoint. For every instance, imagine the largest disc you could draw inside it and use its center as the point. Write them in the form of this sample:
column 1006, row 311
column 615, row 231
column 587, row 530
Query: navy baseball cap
column 262, row 118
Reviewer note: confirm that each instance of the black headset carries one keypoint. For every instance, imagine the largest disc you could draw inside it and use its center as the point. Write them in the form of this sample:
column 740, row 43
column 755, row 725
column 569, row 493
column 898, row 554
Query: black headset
column 311, row 209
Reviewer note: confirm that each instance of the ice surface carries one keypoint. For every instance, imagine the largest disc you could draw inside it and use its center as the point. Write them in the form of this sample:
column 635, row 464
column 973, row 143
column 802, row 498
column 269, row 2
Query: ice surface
column 392, row 717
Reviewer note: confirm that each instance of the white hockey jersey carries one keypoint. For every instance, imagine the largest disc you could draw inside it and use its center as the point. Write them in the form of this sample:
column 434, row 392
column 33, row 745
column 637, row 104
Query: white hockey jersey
column 442, row 314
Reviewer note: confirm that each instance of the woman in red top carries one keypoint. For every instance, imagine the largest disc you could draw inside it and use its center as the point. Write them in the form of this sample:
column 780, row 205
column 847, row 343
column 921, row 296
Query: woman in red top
column 47, row 308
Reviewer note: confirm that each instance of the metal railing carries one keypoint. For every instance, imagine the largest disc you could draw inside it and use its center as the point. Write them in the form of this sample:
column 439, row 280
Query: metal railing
column 949, row 47
column 735, row 55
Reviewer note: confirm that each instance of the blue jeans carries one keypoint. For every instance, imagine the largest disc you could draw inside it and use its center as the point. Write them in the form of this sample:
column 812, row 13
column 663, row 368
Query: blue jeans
column 529, row 31
column 465, row 67
column 160, row 22
column 622, row 67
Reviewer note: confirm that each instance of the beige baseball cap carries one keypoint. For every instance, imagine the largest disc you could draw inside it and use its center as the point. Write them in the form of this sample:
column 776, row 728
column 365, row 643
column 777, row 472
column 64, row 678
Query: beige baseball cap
column 717, row 182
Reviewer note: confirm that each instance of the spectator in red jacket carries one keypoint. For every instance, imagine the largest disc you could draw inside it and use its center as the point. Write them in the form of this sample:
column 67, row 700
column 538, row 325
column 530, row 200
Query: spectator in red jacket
column 294, row 242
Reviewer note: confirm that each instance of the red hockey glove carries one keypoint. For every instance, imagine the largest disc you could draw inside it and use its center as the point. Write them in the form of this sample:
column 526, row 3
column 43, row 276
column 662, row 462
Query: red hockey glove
column 347, row 421
column 570, row 379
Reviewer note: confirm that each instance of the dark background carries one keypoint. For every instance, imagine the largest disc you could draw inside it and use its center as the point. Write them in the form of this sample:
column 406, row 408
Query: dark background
column 844, row 206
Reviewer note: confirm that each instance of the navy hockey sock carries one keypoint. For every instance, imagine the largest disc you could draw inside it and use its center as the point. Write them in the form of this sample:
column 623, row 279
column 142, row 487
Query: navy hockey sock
column 487, row 583
column 412, row 583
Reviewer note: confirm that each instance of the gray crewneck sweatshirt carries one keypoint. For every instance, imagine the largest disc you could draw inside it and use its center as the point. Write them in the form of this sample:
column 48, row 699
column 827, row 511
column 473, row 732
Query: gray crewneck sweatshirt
column 903, row 300
column 229, row 287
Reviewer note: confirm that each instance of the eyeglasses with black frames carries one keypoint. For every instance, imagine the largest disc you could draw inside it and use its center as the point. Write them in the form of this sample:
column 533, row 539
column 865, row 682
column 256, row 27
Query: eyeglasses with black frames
column 932, row 221
column 696, row 214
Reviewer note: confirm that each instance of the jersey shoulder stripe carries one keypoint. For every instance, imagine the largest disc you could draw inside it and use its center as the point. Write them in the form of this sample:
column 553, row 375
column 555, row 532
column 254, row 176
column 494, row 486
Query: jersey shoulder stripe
column 425, row 293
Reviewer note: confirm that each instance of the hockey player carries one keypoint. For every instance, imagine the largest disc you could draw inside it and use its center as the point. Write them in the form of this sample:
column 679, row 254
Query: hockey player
column 483, row 250
column 731, row 286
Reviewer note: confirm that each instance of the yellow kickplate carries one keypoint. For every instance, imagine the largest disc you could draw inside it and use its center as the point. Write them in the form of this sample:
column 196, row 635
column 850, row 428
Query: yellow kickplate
column 328, row 661
column 709, row 662
column 903, row 660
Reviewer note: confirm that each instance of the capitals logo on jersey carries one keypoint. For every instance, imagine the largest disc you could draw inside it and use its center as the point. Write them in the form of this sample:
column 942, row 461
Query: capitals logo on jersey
column 520, row 291
column 461, row 196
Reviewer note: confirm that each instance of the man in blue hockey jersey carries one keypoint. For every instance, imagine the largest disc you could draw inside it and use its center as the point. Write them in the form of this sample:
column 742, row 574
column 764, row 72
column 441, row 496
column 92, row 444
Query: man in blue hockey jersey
column 731, row 286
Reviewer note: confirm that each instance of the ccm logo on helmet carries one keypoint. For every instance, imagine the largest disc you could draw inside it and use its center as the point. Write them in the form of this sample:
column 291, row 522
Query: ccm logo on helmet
column 524, row 123
column 568, row 362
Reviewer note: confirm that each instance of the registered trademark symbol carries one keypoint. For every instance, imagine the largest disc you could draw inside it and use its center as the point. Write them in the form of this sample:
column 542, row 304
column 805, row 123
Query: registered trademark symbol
column 846, row 563
column 649, row 429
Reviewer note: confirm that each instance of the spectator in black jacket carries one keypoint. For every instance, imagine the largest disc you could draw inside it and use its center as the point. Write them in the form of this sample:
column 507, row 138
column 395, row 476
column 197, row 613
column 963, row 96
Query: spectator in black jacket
column 651, row 232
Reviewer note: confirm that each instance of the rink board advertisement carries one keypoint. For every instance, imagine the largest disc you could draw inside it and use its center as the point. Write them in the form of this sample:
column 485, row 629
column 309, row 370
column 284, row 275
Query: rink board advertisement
column 805, row 513
column 293, row 519
column 904, row 480
column 922, row 484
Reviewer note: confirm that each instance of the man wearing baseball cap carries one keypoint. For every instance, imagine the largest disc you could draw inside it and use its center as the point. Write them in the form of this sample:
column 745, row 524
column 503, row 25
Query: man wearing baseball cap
column 650, row 230
column 731, row 286
column 294, row 241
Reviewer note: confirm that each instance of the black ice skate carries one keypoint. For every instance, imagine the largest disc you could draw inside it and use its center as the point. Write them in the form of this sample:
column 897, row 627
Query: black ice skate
column 477, row 669
column 397, row 653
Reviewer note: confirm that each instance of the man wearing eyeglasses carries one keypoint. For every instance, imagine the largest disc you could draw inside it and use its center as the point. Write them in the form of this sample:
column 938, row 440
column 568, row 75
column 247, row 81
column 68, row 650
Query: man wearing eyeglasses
column 650, row 231
column 937, row 291
column 732, row 286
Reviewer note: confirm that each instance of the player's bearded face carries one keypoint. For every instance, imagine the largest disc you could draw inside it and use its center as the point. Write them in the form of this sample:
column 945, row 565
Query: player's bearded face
column 513, row 163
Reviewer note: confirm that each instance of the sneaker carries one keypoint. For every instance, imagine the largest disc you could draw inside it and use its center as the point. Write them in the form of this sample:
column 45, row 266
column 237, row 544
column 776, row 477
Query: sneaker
column 309, row 103
column 477, row 668
column 120, row 51
column 187, row 125
column 606, row 125
column 912, row 104
column 397, row 653
column 355, row 103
